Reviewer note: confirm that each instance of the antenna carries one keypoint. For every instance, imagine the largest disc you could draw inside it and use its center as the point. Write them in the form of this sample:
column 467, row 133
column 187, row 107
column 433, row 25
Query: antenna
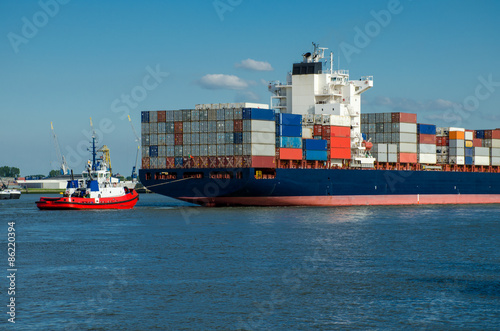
column 331, row 62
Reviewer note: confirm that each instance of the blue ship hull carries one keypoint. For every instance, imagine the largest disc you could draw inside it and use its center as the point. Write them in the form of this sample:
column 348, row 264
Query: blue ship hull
column 323, row 187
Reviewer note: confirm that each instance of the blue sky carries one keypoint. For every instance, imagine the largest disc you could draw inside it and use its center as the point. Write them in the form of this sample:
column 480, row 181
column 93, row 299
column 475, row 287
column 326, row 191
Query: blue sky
column 66, row 61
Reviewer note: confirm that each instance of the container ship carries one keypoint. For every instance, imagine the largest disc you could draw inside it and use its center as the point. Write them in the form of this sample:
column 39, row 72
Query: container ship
column 312, row 147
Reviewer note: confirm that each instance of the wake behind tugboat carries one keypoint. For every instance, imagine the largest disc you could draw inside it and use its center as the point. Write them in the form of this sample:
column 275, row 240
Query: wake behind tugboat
column 94, row 191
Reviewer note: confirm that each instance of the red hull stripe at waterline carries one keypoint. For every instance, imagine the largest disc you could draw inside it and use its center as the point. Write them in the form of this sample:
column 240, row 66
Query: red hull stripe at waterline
column 352, row 200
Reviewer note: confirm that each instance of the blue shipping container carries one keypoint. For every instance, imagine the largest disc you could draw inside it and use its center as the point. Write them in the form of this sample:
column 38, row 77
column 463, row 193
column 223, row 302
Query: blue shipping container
column 178, row 162
column 289, row 142
column 258, row 114
column 153, row 151
column 469, row 160
column 315, row 155
column 480, row 134
column 469, row 151
column 145, row 117
column 238, row 137
column 315, row 144
column 289, row 131
column 426, row 129
column 289, row 119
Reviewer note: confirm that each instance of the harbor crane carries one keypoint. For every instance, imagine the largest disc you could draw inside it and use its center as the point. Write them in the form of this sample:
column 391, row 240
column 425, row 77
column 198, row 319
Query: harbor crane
column 138, row 141
column 64, row 166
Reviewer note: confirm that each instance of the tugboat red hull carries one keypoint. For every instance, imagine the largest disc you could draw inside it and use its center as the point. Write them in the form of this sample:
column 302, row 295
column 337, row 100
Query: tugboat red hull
column 126, row 201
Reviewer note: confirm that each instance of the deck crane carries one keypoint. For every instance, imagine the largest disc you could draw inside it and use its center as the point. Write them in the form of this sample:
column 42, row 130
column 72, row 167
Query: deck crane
column 64, row 166
column 138, row 141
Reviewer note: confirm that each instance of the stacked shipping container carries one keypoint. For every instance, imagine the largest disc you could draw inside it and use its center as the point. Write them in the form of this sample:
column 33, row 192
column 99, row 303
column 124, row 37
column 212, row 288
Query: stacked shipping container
column 426, row 135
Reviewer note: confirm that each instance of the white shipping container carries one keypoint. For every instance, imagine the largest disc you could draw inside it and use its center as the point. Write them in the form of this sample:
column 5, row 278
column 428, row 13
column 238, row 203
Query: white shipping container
column 264, row 149
column 307, row 133
column 404, row 127
column 495, row 143
column 259, row 126
column 455, row 129
column 380, row 148
column 392, row 157
column 458, row 151
column 381, row 157
column 153, row 116
column 263, row 138
column 482, row 160
column 392, row 149
column 407, row 148
column 404, row 138
column 495, row 152
column 442, row 150
column 482, row 151
column 426, row 158
column 336, row 120
column 469, row 135
column 460, row 160
column 454, row 143
column 426, row 149
column 495, row 161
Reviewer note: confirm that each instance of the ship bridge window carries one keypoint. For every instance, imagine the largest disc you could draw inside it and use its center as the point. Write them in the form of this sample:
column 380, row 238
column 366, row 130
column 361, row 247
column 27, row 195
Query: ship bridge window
column 148, row 176
column 165, row 175
column 265, row 173
column 197, row 175
column 221, row 174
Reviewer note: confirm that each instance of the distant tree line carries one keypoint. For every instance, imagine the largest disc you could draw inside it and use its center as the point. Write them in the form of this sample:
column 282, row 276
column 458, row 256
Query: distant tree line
column 6, row 171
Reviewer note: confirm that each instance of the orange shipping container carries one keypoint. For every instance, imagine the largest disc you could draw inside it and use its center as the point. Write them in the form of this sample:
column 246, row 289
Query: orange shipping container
column 340, row 153
column 162, row 115
column 340, row 131
column 427, row 139
column 407, row 158
column 340, row 142
column 290, row 153
column 457, row 135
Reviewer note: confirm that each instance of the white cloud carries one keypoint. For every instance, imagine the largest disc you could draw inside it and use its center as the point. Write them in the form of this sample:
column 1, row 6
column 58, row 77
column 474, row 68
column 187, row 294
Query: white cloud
column 254, row 65
column 220, row 81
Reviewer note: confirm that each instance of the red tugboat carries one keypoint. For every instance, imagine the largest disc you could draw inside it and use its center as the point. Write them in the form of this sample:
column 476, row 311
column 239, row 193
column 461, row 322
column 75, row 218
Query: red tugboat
column 94, row 191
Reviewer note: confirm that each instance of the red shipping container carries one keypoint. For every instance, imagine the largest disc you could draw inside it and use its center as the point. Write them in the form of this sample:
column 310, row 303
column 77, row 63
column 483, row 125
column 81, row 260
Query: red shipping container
column 162, row 116
column 340, row 142
column 203, row 161
column 178, row 139
column 325, row 132
column 212, row 162
column 403, row 118
column 238, row 161
column 221, row 161
column 238, row 125
column 340, row 153
column 177, row 127
column 263, row 162
column 187, row 162
column 477, row 142
column 317, row 129
column 229, row 162
column 407, row 157
column 495, row 134
column 247, row 161
column 170, row 162
column 290, row 153
column 340, row 131
column 196, row 162
column 427, row 139
column 145, row 163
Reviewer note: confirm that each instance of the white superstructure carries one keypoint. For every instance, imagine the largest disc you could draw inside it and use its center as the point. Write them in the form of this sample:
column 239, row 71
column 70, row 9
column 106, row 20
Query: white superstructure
column 312, row 90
